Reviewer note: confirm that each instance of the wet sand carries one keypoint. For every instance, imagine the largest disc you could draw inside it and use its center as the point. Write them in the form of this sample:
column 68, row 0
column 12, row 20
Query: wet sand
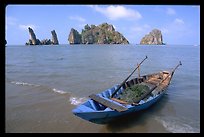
column 39, row 110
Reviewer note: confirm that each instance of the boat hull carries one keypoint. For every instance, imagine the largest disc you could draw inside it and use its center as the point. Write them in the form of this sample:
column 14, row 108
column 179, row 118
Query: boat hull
column 104, row 117
column 95, row 112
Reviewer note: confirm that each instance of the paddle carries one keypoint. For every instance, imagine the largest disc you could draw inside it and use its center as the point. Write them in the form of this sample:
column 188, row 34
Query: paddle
column 127, row 78
column 147, row 93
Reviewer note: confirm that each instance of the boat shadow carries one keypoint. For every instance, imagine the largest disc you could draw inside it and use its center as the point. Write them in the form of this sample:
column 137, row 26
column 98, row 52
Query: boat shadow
column 136, row 118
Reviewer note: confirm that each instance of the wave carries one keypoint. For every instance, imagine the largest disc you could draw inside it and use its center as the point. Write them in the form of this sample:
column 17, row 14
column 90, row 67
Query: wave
column 176, row 126
column 73, row 99
column 60, row 58
column 24, row 83
column 35, row 85
column 59, row 91
column 8, row 65
column 77, row 100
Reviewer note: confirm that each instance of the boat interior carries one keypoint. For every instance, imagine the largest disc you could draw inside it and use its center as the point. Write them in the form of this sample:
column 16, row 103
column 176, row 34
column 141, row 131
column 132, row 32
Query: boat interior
column 150, row 80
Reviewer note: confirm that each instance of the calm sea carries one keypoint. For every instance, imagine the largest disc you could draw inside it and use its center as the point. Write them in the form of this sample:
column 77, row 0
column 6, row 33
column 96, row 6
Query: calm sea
column 44, row 83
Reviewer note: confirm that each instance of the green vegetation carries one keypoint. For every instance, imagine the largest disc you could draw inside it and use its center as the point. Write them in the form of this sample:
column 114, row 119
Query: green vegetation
column 131, row 94
column 101, row 34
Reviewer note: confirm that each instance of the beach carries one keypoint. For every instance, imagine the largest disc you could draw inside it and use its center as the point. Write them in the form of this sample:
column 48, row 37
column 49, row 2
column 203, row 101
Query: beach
column 44, row 84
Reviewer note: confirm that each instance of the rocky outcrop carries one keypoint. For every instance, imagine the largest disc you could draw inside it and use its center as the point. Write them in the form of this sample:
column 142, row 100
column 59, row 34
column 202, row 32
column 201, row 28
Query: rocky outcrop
column 34, row 41
column 74, row 37
column 153, row 38
column 54, row 38
column 101, row 34
column 46, row 42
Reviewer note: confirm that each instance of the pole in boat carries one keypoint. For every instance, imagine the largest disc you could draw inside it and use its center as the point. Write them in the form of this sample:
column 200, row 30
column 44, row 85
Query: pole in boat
column 127, row 77
column 138, row 70
column 176, row 67
column 144, row 95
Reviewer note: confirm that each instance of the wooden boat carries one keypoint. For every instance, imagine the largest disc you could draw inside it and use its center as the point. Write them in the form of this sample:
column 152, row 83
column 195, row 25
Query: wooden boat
column 104, row 107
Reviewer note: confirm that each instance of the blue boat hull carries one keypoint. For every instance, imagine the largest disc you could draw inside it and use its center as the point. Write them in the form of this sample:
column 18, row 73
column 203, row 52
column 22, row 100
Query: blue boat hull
column 95, row 112
column 108, row 115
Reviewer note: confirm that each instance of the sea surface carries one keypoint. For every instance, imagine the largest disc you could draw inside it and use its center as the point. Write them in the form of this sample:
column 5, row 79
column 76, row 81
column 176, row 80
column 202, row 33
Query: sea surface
column 44, row 83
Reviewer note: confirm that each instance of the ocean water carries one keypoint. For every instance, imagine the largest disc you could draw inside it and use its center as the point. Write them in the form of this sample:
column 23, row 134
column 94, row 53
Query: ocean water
column 44, row 83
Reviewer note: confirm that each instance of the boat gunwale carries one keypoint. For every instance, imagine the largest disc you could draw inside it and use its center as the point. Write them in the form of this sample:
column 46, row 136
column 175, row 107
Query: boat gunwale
column 121, row 90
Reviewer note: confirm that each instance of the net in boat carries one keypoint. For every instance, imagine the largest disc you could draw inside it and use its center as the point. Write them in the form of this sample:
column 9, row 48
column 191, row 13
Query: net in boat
column 133, row 93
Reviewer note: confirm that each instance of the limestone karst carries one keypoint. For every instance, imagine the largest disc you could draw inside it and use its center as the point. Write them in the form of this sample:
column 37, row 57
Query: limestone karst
column 153, row 38
column 34, row 41
column 101, row 34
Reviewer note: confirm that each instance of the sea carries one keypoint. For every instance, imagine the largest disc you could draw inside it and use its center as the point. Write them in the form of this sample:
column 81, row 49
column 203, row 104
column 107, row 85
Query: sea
column 44, row 83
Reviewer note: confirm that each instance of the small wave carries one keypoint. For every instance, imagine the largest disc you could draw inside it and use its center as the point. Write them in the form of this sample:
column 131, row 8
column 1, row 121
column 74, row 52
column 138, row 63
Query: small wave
column 35, row 85
column 59, row 91
column 8, row 65
column 76, row 100
column 24, row 83
column 60, row 58
column 176, row 126
column 31, row 61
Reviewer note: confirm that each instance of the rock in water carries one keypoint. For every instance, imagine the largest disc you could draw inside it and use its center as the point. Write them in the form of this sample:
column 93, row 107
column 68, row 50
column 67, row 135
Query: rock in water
column 33, row 40
column 153, row 38
column 74, row 37
column 54, row 38
column 46, row 42
column 101, row 34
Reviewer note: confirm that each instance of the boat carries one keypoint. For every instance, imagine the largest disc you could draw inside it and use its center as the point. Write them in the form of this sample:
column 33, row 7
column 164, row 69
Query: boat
column 106, row 106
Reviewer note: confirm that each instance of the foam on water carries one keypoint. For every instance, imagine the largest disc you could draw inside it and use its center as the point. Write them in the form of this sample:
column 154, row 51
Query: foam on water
column 77, row 100
column 59, row 91
column 24, row 83
column 177, row 126
column 35, row 85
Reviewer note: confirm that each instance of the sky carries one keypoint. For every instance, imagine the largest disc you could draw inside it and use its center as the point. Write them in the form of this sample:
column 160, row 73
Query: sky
column 179, row 24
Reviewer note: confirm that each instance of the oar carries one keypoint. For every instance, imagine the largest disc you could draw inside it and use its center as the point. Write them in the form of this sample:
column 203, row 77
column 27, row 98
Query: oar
column 147, row 93
column 127, row 77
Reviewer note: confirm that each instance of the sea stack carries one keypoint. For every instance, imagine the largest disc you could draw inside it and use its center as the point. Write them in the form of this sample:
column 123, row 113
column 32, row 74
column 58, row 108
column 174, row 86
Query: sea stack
column 54, row 38
column 33, row 40
column 153, row 38
column 74, row 37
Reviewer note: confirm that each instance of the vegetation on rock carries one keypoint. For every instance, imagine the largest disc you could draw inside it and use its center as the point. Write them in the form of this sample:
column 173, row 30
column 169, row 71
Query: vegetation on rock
column 101, row 34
